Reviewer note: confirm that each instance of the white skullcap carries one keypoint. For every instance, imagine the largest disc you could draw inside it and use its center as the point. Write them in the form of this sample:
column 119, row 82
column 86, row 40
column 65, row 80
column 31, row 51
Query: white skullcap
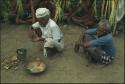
column 42, row 12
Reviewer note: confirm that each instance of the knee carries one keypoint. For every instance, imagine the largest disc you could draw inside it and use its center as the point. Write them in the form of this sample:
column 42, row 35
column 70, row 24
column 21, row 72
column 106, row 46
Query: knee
column 49, row 43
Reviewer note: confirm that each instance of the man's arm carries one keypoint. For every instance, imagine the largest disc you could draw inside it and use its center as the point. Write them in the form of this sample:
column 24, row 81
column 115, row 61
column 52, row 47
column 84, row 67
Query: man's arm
column 35, row 34
column 91, row 31
column 32, row 33
column 97, row 42
column 76, row 11
column 56, row 33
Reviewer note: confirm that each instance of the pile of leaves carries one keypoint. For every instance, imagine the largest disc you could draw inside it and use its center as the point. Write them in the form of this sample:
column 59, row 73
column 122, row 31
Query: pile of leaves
column 10, row 63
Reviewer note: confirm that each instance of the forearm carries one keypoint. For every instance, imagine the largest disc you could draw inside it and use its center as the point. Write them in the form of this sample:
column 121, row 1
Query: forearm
column 85, row 44
column 38, row 35
column 91, row 31
column 32, row 32
column 35, row 31
column 76, row 12
column 81, row 37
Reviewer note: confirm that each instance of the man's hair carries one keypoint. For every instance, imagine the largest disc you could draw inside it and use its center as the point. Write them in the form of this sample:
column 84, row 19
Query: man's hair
column 106, row 24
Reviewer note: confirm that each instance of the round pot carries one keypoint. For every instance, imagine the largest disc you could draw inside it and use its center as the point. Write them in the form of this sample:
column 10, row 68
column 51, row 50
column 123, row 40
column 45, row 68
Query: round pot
column 35, row 67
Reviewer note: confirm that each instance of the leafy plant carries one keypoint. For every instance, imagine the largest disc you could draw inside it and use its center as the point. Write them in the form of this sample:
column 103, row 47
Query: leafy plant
column 20, row 9
column 4, row 9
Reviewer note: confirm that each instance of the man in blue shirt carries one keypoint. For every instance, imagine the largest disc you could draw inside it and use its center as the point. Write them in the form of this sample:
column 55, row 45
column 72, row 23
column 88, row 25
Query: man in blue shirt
column 98, row 43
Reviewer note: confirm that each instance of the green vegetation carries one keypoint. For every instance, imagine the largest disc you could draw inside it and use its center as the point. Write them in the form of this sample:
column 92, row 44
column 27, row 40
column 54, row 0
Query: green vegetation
column 100, row 8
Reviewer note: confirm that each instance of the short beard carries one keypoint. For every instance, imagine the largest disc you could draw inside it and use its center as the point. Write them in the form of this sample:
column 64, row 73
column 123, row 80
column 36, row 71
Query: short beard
column 42, row 25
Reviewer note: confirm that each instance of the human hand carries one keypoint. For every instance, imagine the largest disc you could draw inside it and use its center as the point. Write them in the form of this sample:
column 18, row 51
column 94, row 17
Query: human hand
column 85, row 45
column 76, row 47
column 38, row 39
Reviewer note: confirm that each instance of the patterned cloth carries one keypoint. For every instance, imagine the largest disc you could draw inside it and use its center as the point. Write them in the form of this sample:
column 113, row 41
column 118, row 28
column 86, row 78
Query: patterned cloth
column 106, row 59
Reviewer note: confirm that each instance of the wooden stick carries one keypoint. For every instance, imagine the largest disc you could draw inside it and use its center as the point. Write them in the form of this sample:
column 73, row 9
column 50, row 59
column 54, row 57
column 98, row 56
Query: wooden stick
column 33, row 12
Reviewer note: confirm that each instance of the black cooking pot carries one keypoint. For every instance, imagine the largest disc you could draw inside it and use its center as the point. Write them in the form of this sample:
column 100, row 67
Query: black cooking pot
column 21, row 54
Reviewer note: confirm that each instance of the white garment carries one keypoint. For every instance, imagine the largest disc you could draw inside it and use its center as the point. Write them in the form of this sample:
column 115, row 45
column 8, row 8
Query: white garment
column 52, row 34
column 120, row 10
column 52, row 43
column 50, row 31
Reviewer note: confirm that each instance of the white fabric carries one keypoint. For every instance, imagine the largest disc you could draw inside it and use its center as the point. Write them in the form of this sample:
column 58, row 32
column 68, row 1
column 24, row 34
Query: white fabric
column 50, row 43
column 120, row 10
column 42, row 12
column 50, row 31
column 52, row 34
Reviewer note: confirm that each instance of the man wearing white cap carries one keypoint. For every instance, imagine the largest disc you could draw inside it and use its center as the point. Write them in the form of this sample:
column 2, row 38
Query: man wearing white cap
column 51, row 34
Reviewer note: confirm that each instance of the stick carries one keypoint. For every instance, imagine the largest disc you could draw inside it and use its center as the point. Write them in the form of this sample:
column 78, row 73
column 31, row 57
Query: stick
column 33, row 13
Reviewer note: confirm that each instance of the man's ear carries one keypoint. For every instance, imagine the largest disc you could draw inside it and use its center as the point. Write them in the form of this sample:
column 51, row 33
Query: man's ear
column 104, row 30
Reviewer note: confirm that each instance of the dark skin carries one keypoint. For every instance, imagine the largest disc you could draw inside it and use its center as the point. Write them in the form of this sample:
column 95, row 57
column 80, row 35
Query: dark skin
column 100, row 31
column 43, row 22
column 26, row 6
column 84, row 42
column 84, row 5
column 49, row 5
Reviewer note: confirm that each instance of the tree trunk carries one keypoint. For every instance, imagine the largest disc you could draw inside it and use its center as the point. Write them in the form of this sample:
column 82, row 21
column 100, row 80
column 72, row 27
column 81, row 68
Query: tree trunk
column 33, row 12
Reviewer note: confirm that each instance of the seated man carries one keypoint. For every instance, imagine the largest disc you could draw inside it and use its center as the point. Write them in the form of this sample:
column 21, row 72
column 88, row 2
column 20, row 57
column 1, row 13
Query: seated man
column 16, row 17
column 47, row 31
column 98, row 43
column 26, row 17
column 49, row 4
column 82, row 15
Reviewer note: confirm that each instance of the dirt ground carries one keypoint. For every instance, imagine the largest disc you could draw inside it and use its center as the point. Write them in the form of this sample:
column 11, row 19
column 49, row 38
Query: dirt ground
column 66, row 67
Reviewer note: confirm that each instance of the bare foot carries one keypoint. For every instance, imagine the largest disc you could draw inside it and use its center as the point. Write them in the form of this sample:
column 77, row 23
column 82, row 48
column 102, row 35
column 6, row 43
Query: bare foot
column 76, row 47
column 36, row 39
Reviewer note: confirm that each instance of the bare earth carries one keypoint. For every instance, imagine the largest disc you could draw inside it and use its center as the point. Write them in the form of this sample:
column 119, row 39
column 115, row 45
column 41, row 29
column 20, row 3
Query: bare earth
column 66, row 67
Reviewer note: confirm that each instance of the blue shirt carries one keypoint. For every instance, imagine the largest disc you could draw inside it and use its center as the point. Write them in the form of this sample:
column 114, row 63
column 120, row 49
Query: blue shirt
column 105, row 42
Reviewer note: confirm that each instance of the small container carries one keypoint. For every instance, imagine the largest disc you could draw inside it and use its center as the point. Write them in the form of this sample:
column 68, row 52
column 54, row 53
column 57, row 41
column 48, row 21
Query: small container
column 21, row 54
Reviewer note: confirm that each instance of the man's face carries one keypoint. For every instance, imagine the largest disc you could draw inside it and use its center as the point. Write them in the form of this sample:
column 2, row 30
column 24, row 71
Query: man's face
column 100, row 30
column 43, row 22
column 46, row 1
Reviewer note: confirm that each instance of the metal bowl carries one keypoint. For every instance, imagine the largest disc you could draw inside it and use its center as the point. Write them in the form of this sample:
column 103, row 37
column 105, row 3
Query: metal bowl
column 35, row 67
